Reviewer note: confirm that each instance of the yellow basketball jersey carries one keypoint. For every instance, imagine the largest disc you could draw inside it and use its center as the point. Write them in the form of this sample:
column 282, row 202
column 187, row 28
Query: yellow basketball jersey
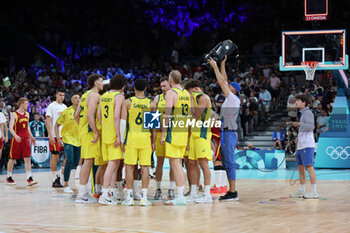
column 107, row 103
column 177, row 131
column 205, row 130
column 83, row 122
column 136, row 135
column 161, row 106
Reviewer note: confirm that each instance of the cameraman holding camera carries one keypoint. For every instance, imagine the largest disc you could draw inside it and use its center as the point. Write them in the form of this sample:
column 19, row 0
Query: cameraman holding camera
column 229, row 137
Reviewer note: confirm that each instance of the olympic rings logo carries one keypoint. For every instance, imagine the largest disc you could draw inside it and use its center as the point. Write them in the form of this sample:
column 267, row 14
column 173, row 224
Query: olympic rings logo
column 338, row 152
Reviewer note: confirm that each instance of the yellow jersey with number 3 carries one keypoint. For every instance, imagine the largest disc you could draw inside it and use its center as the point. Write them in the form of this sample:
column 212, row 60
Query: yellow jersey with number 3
column 177, row 132
column 107, row 103
column 83, row 122
column 136, row 135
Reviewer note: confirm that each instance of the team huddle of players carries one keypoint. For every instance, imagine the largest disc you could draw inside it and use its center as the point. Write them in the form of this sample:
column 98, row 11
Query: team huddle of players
column 108, row 130
column 112, row 135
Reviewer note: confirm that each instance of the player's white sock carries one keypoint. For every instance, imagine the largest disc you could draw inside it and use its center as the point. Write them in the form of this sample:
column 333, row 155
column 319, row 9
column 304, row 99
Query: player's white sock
column 82, row 190
column 194, row 190
column 53, row 175
column 129, row 193
column 104, row 191
column 9, row 174
column 120, row 186
column 207, row 190
column 302, row 188
column 223, row 178
column 158, row 184
column 135, row 186
column 313, row 188
column 144, row 193
column 180, row 192
column 172, row 185
column 217, row 176
column 29, row 174
column 97, row 188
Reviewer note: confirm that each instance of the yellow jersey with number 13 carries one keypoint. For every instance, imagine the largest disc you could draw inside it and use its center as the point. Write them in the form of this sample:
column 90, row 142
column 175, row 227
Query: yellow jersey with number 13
column 177, row 132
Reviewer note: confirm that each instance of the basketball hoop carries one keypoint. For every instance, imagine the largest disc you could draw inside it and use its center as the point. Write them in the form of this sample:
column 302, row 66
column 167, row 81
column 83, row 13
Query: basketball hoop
column 310, row 68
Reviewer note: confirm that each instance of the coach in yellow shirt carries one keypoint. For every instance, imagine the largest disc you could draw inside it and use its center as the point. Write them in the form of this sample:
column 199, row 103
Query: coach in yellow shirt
column 70, row 140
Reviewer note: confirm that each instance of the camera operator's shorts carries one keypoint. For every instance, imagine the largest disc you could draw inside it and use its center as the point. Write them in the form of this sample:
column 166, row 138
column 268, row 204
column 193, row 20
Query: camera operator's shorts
column 305, row 157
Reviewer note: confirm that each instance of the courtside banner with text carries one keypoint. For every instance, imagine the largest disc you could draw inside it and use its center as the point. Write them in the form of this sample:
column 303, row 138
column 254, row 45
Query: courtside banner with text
column 41, row 151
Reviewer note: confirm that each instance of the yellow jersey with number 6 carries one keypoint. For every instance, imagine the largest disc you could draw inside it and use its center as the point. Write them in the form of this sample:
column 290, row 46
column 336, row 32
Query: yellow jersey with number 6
column 136, row 135
column 107, row 103
column 177, row 132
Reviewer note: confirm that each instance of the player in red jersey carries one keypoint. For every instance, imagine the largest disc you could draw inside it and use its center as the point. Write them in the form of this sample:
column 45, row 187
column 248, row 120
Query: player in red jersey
column 220, row 185
column 20, row 144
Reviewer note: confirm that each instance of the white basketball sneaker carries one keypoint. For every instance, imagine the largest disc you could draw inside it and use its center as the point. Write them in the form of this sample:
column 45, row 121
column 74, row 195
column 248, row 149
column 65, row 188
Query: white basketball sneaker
column 311, row 195
column 297, row 194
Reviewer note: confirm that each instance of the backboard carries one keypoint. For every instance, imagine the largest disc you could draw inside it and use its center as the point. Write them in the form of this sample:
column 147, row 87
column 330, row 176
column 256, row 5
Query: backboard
column 324, row 46
column 315, row 9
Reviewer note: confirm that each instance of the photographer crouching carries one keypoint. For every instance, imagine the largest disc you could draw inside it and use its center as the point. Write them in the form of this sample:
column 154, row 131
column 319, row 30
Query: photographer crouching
column 229, row 137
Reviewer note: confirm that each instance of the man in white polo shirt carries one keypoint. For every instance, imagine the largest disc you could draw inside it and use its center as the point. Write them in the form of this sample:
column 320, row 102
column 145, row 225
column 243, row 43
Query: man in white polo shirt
column 53, row 111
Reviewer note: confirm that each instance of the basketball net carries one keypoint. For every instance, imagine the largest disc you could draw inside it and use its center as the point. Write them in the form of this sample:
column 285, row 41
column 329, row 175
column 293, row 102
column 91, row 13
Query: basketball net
column 310, row 68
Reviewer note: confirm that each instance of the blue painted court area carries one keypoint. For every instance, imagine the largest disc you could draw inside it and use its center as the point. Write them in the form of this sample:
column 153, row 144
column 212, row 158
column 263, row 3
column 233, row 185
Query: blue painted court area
column 280, row 174
column 286, row 174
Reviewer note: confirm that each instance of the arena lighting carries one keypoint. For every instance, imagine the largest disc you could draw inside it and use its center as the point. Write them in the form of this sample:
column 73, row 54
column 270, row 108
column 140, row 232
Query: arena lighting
column 58, row 61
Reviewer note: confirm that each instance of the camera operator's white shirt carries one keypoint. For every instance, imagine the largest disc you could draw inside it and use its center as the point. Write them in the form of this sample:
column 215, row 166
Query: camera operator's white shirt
column 306, row 130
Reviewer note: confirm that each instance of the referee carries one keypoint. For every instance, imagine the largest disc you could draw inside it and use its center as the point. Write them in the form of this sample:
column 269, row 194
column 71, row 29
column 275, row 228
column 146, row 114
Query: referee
column 229, row 138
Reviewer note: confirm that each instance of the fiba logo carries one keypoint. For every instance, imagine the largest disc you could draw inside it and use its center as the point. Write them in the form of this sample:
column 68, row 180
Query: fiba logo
column 338, row 152
column 152, row 120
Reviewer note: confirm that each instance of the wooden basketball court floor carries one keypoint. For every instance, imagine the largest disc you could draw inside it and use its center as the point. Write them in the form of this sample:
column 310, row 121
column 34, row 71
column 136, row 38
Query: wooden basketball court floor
column 264, row 206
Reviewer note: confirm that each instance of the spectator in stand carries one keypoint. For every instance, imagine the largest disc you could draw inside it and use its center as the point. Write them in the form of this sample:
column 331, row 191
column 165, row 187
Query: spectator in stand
column 251, row 146
column 292, row 110
column 275, row 83
column 322, row 123
column 254, row 111
column 32, row 112
column 37, row 127
column 278, row 137
column 264, row 103
column 293, row 84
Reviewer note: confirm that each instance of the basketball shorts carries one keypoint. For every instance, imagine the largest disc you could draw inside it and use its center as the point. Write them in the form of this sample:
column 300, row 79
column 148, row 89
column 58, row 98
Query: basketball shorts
column 109, row 152
column 55, row 147
column 200, row 148
column 20, row 150
column 305, row 157
column 1, row 144
column 160, row 149
column 173, row 151
column 143, row 155
column 89, row 150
